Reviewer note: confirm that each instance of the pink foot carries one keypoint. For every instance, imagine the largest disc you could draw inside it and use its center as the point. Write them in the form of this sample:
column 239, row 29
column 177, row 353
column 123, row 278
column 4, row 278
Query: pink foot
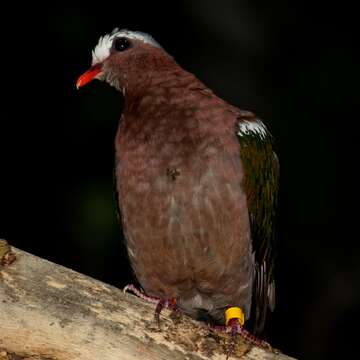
column 140, row 293
column 234, row 328
column 160, row 303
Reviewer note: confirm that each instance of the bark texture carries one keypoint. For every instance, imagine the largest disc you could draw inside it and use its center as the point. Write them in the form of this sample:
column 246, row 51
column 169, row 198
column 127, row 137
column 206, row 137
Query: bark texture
column 49, row 312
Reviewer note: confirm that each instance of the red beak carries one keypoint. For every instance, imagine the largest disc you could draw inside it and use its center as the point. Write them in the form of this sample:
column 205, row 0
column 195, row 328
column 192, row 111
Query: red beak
column 88, row 76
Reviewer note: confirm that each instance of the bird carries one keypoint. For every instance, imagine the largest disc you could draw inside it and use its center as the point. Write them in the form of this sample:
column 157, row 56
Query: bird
column 197, row 184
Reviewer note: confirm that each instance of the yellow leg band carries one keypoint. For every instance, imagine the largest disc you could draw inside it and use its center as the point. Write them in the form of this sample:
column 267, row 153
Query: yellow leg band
column 234, row 313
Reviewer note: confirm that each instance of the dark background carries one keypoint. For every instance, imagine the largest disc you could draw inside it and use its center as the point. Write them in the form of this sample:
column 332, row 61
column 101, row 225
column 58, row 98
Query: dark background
column 291, row 63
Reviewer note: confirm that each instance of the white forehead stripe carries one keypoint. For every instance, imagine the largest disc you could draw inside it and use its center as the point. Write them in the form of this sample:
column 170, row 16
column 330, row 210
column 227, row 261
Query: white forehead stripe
column 102, row 49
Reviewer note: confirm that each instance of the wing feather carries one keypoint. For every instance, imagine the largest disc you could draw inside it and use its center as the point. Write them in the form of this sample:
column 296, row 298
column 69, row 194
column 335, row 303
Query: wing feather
column 260, row 184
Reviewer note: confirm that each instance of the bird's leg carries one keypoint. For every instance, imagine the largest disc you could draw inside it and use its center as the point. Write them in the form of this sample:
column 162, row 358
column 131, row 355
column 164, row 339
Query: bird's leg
column 160, row 303
column 235, row 328
column 234, row 317
column 170, row 304
column 234, row 320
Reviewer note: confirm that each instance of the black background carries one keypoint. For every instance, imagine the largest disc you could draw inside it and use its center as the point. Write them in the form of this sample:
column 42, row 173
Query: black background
column 292, row 63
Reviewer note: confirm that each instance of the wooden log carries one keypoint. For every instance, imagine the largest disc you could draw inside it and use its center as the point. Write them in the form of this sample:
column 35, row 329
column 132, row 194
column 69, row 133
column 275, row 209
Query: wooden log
column 49, row 312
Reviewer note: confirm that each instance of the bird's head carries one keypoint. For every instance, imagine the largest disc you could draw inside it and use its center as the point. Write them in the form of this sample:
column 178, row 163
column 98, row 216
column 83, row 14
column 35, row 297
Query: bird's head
column 125, row 59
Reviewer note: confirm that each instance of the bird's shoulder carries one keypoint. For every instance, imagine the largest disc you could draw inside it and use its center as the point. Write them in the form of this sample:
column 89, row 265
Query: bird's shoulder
column 261, row 177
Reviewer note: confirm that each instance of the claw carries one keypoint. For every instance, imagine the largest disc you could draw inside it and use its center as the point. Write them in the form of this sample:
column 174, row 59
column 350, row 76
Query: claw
column 132, row 288
column 7, row 257
column 159, row 307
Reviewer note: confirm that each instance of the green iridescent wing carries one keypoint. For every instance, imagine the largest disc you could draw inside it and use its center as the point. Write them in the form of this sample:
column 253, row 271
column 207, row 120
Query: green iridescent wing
column 261, row 168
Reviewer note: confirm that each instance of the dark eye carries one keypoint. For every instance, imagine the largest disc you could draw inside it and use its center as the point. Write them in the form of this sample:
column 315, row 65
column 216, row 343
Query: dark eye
column 121, row 44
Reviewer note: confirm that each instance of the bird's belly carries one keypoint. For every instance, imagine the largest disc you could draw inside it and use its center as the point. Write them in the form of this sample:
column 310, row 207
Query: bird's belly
column 187, row 230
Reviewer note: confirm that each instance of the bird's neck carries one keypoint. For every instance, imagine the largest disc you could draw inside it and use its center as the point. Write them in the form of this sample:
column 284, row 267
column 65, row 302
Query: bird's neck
column 157, row 86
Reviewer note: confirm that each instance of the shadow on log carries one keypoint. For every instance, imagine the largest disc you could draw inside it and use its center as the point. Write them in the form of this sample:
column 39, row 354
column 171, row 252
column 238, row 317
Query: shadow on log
column 49, row 312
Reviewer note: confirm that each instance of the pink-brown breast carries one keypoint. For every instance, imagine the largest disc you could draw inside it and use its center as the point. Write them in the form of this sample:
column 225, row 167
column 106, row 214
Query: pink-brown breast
column 183, row 210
